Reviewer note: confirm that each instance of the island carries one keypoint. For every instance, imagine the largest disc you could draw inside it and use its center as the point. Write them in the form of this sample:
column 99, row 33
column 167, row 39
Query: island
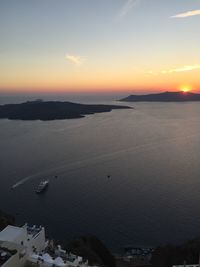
column 163, row 97
column 52, row 110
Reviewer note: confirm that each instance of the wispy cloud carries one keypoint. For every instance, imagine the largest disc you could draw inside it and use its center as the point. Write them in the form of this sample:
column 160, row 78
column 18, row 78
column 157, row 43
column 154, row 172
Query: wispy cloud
column 126, row 8
column 187, row 14
column 77, row 60
column 182, row 69
column 175, row 70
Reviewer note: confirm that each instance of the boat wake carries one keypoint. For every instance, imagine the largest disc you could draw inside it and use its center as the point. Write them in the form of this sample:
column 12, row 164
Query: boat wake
column 103, row 158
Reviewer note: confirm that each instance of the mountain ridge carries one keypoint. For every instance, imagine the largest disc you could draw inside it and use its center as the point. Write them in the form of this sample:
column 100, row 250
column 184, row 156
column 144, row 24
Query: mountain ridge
column 163, row 97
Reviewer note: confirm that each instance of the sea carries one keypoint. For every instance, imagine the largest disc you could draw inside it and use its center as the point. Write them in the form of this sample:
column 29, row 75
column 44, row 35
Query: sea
column 130, row 177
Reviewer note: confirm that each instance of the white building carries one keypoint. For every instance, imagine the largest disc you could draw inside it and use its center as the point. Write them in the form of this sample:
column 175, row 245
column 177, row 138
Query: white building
column 17, row 243
column 26, row 247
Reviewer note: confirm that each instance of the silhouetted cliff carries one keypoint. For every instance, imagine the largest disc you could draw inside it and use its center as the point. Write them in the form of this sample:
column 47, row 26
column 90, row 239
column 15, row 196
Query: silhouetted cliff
column 163, row 97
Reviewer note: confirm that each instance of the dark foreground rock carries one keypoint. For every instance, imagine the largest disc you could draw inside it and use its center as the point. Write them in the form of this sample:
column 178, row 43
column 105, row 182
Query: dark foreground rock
column 91, row 248
column 169, row 255
column 51, row 110
column 5, row 220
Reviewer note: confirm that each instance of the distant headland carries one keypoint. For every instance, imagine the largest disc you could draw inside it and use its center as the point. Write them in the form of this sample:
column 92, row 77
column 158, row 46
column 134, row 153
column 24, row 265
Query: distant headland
column 51, row 110
column 163, row 97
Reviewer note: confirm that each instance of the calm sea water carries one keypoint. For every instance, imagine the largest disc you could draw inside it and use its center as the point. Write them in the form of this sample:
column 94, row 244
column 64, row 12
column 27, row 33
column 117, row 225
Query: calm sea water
column 152, row 154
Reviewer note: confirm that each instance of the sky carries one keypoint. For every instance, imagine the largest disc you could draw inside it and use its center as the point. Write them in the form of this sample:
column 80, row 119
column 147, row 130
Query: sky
column 99, row 45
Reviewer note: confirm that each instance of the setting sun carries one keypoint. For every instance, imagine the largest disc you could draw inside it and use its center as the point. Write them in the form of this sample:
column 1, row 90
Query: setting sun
column 186, row 88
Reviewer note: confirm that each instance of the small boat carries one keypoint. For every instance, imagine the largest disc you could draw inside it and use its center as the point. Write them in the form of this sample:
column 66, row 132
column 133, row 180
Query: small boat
column 42, row 186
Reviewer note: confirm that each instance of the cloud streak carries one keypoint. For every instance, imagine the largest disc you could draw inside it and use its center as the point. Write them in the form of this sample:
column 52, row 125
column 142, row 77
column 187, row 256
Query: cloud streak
column 182, row 69
column 175, row 70
column 130, row 4
column 187, row 14
column 76, row 60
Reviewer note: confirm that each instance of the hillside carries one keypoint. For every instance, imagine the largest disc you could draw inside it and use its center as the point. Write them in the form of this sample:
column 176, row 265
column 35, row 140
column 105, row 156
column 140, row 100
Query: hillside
column 163, row 97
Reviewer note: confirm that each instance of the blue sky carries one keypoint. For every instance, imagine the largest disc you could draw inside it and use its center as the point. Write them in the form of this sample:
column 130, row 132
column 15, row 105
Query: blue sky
column 90, row 44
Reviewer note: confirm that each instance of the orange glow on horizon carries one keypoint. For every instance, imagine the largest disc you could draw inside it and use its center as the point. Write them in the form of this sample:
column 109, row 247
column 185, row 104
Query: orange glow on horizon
column 97, row 89
column 185, row 88
column 81, row 81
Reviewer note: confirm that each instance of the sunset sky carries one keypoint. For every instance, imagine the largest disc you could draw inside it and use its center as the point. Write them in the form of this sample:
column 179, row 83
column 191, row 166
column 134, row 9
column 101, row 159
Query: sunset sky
column 99, row 45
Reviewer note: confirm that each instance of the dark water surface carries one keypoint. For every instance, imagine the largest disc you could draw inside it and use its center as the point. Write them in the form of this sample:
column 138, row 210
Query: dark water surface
column 152, row 155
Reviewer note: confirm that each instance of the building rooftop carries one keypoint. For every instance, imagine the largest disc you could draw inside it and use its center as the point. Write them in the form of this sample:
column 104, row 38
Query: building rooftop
column 7, row 250
column 33, row 230
column 11, row 233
